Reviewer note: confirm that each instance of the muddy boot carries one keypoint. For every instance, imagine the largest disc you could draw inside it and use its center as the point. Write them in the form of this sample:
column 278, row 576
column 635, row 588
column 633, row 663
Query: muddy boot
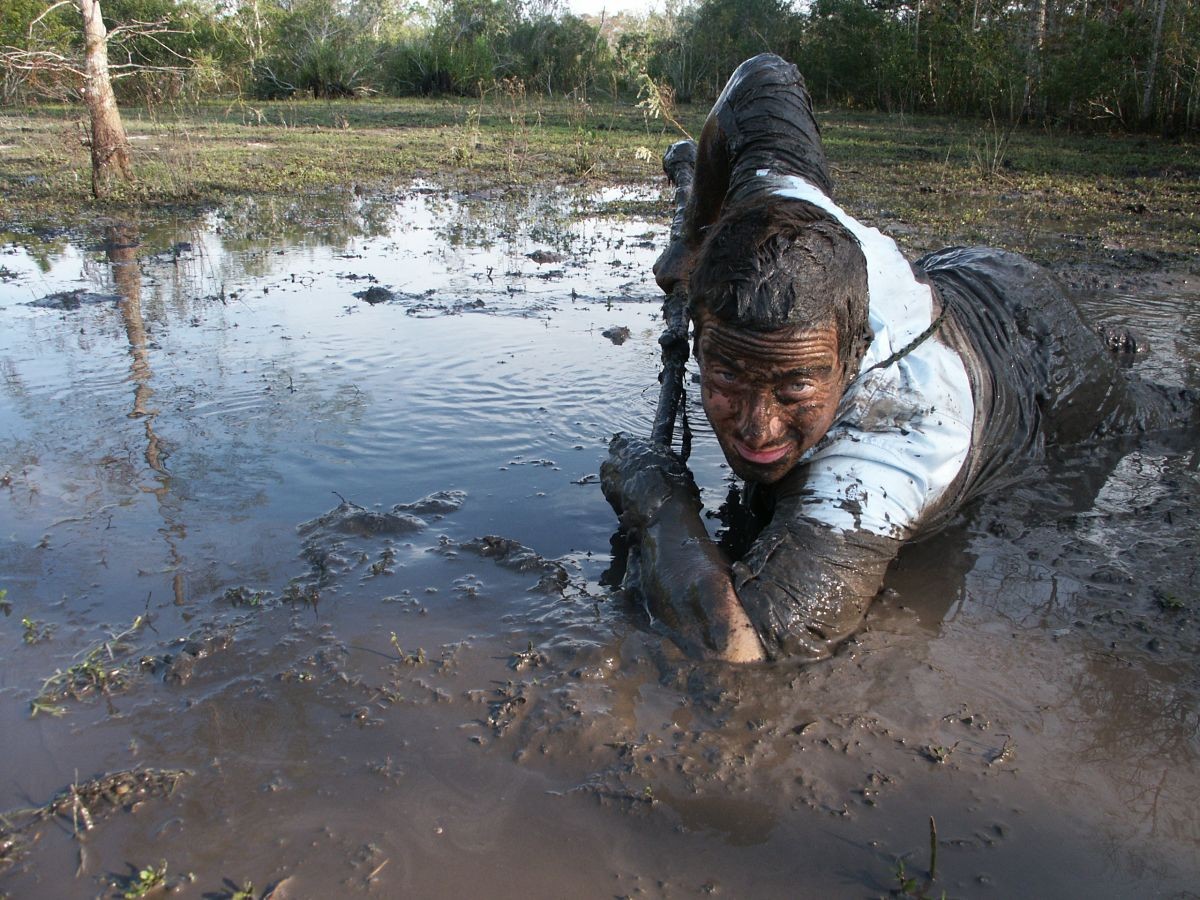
column 679, row 164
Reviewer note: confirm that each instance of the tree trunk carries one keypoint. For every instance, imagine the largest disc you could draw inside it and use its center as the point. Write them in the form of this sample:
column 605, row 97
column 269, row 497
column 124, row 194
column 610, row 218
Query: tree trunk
column 1033, row 62
column 1147, row 110
column 110, row 147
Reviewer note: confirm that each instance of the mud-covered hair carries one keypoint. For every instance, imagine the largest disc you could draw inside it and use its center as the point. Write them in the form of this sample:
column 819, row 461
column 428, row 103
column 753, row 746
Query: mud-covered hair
column 784, row 263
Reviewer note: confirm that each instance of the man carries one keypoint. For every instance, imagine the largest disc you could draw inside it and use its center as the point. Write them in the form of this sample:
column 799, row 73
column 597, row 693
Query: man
column 863, row 401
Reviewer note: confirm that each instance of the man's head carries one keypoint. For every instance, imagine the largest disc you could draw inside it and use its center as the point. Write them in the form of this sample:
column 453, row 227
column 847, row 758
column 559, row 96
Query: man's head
column 779, row 301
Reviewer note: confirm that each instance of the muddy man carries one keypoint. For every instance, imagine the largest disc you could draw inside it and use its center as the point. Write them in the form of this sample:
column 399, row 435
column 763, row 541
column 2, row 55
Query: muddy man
column 862, row 399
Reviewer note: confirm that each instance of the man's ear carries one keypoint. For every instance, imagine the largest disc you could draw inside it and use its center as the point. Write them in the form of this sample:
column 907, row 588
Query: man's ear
column 697, row 317
column 854, row 358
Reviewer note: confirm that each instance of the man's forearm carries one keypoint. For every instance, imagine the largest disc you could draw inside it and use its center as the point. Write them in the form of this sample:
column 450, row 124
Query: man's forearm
column 687, row 584
column 807, row 586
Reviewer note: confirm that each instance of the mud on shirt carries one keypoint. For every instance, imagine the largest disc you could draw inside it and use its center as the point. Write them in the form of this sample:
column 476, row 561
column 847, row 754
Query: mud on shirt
column 903, row 430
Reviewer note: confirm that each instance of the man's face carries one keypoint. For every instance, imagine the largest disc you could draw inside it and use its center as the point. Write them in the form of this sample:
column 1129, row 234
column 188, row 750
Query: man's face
column 769, row 396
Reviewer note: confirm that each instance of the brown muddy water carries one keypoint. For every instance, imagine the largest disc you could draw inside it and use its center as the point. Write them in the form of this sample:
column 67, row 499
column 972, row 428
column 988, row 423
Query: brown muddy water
column 242, row 514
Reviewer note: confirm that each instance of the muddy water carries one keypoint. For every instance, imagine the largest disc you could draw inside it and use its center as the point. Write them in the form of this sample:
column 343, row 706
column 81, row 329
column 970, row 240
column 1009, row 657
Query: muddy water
column 288, row 484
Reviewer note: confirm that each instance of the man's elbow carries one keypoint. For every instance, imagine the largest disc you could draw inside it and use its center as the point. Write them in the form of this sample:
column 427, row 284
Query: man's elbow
column 673, row 266
column 804, row 628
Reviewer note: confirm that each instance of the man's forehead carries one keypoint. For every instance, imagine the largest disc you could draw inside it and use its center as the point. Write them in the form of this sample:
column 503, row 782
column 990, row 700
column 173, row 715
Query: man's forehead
column 795, row 344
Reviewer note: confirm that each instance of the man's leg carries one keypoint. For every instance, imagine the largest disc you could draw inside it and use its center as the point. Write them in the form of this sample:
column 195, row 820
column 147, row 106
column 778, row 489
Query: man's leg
column 765, row 120
column 762, row 120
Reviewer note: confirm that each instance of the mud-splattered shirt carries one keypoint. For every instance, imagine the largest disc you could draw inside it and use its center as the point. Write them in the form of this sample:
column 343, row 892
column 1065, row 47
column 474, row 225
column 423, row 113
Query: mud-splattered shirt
column 903, row 430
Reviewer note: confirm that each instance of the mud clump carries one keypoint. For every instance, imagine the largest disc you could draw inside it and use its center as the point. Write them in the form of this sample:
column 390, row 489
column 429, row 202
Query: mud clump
column 1121, row 341
column 618, row 334
column 437, row 503
column 181, row 665
column 69, row 301
column 354, row 520
column 375, row 294
column 505, row 707
column 325, row 537
column 512, row 555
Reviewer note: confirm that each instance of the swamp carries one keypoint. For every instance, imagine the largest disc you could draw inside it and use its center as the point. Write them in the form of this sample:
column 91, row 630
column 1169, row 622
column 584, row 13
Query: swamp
column 303, row 550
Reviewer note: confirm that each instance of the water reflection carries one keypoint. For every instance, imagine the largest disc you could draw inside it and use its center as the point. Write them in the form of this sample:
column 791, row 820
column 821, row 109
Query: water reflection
column 121, row 246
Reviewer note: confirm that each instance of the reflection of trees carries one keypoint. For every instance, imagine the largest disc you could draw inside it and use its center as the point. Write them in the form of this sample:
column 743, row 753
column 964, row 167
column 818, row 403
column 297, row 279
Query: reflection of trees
column 1142, row 727
column 121, row 247
column 521, row 218
column 266, row 224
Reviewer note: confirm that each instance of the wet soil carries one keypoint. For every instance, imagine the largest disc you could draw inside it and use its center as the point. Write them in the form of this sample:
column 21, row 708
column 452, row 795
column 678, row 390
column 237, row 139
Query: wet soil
column 331, row 568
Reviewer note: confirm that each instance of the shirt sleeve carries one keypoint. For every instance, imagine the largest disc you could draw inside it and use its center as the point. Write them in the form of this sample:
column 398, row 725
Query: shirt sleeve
column 806, row 587
column 900, row 441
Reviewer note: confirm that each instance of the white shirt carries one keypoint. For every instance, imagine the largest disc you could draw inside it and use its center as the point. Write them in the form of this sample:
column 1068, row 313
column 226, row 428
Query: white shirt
column 902, row 432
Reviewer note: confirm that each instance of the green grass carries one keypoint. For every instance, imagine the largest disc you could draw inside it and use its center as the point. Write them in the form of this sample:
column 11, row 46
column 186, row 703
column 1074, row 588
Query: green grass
column 931, row 181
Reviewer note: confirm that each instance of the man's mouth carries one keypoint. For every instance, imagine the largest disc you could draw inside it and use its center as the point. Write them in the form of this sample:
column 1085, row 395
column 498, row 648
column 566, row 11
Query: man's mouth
column 761, row 457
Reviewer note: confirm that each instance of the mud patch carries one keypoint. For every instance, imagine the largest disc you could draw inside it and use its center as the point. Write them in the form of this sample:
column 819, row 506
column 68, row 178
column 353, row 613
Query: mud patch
column 385, row 693
column 69, row 301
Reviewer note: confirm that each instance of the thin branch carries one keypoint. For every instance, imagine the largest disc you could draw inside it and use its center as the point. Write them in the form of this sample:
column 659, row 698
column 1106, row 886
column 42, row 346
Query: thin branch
column 47, row 11
column 38, row 61
column 150, row 35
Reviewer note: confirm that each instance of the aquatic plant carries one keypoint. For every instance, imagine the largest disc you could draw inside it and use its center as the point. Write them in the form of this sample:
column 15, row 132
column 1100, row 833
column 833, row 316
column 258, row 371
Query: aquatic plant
column 35, row 631
column 417, row 658
column 98, row 669
column 145, row 881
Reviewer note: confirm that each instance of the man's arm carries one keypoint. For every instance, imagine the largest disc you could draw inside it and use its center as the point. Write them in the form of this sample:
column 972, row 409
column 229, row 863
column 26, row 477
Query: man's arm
column 686, row 581
column 681, row 573
column 803, row 587
column 806, row 586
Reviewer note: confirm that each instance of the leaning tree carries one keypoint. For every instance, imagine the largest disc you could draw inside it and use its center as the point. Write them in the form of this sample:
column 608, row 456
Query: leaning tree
column 108, row 143
column 55, row 64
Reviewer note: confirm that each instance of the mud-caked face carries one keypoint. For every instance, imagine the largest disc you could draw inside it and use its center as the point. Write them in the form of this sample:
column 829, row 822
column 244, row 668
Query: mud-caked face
column 769, row 396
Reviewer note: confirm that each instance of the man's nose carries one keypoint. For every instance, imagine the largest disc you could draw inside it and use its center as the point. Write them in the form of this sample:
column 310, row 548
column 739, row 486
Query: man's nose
column 761, row 423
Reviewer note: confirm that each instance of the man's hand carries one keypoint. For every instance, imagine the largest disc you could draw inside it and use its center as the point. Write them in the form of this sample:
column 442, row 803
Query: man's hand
column 639, row 477
column 673, row 564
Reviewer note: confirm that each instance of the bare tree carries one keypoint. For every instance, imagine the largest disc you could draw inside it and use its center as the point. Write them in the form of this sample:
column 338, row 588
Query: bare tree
column 92, row 77
column 109, row 145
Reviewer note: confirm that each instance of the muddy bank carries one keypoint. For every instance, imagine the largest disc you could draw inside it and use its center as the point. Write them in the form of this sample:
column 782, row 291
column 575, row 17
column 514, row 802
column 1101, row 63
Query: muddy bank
column 339, row 562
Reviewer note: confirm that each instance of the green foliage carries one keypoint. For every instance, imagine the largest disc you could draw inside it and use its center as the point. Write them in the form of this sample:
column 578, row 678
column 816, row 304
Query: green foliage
column 146, row 881
column 1101, row 64
column 320, row 49
column 726, row 32
column 559, row 56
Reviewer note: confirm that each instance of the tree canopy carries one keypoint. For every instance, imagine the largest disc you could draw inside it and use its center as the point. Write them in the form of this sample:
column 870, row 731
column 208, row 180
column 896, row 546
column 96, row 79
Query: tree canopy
column 1125, row 64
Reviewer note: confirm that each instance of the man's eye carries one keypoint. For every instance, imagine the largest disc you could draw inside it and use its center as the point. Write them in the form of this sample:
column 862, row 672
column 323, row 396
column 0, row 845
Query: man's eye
column 724, row 376
column 796, row 390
